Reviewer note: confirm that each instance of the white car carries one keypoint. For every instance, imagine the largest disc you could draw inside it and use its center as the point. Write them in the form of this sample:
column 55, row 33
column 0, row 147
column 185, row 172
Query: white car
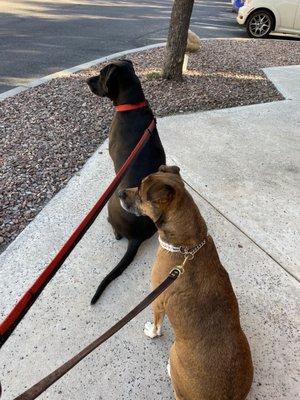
column 264, row 16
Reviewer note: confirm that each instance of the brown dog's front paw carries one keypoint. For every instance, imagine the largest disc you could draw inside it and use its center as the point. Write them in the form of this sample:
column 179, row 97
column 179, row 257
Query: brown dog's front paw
column 169, row 369
column 151, row 331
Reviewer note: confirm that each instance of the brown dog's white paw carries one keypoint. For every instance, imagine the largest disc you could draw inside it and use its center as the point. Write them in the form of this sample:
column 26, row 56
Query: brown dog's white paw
column 169, row 368
column 151, row 331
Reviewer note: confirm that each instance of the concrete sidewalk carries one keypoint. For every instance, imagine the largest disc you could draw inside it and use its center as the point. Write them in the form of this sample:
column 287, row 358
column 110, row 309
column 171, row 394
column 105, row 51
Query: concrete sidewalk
column 241, row 167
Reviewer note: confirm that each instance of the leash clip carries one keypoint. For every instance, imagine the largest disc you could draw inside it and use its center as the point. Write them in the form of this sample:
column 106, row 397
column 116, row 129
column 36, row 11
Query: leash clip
column 177, row 271
column 188, row 255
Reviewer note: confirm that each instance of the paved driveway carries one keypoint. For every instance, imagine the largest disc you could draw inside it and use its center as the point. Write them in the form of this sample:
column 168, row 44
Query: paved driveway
column 38, row 37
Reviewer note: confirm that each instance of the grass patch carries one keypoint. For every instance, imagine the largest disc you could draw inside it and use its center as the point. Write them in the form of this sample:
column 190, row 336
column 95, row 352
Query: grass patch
column 154, row 75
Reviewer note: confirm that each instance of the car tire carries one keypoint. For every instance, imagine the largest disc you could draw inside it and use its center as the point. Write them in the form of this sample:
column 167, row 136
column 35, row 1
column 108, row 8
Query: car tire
column 259, row 24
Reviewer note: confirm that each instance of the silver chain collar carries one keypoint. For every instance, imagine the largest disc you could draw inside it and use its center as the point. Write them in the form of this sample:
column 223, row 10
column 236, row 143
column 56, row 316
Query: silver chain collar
column 189, row 253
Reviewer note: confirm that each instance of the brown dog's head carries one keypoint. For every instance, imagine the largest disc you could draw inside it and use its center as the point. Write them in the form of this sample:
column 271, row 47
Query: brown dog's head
column 156, row 194
column 116, row 78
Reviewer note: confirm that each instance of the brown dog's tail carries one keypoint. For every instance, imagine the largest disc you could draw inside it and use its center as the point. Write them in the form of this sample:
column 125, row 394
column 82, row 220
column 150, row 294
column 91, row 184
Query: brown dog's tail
column 133, row 246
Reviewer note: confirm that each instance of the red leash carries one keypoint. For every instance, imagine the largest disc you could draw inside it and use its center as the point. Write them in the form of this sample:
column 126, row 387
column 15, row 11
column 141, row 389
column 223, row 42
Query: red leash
column 27, row 300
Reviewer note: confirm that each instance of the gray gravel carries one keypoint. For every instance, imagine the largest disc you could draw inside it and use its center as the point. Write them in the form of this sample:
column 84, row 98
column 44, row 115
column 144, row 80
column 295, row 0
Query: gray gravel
column 47, row 133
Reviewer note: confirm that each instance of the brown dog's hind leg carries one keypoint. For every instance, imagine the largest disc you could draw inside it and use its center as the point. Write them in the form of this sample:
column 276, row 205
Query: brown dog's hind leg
column 153, row 330
column 178, row 396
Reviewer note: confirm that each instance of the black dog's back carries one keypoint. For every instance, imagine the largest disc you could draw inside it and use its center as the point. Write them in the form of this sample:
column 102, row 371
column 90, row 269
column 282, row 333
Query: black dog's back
column 126, row 130
column 152, row 156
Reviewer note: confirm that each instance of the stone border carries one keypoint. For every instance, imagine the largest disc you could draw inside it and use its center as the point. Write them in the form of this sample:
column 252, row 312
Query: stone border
column 80, row 67
column 77, row 68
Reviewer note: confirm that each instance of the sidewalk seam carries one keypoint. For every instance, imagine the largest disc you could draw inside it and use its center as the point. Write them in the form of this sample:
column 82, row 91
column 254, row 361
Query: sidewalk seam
column 241, row 230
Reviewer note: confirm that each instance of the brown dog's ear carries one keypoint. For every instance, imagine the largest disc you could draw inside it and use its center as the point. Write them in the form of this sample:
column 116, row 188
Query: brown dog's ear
column 173, row 169
column 160, row 193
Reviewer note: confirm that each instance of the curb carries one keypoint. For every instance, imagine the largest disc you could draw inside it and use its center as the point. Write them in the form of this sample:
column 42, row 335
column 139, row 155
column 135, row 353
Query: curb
column 280, row 83
column 77, row 68
column 80, row 67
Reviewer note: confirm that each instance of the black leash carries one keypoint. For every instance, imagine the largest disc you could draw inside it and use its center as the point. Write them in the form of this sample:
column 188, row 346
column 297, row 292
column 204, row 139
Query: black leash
column 49, row 380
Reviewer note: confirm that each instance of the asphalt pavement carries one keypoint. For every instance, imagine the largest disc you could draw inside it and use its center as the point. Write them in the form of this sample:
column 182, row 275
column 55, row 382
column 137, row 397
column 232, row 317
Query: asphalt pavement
column 38, row 38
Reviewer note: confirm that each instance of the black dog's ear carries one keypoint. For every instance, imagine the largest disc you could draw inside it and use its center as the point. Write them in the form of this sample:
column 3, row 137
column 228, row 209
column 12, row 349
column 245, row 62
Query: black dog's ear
column 160, row 193
column 125, row 59
column 128, row 64
column 173, row 169
column 108, row 79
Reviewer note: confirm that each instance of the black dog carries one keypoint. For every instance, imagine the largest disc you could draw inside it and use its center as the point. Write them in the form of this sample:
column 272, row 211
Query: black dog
column 118, row 82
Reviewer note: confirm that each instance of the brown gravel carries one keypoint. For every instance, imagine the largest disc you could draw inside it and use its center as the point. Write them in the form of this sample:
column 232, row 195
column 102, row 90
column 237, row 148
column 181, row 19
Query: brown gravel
column 47, row 133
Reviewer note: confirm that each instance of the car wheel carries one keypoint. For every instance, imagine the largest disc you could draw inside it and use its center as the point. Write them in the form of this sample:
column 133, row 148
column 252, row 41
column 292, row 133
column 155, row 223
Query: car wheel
column 259, row 24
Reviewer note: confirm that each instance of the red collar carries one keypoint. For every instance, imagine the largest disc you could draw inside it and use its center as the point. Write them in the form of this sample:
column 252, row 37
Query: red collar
column 129, row 107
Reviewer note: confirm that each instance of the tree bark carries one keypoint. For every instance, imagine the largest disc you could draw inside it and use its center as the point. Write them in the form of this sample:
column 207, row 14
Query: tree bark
column 177, row 39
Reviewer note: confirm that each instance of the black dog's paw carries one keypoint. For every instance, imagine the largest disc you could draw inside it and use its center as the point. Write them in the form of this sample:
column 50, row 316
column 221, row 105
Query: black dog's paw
column 117, row 235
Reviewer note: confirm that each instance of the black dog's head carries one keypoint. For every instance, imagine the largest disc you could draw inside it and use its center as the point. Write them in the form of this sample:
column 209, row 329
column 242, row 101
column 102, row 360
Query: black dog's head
column 118, row 82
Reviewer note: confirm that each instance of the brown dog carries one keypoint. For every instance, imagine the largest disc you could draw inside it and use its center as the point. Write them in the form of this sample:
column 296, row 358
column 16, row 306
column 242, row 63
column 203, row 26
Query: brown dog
column 210, row 358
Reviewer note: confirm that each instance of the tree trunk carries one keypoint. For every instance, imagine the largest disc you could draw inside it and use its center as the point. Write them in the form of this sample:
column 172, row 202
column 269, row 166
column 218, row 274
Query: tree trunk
column 177, row 39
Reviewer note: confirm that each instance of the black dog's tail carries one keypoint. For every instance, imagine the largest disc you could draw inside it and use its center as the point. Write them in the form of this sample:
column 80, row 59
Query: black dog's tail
column 133, row 246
